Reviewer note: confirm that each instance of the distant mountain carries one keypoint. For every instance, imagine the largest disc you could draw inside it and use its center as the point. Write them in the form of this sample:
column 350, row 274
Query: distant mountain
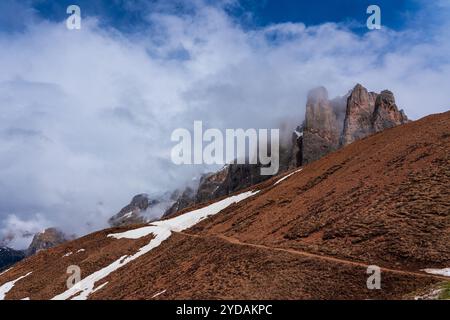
column 310, row 233
column 143, row 208
column 46, row 239
column 328, row 126
column 9, row 256
column 332, row 124
column 131, row 213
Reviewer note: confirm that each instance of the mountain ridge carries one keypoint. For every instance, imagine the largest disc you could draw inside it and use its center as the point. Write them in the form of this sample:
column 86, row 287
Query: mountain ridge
column 387, row 207
column 328, row 126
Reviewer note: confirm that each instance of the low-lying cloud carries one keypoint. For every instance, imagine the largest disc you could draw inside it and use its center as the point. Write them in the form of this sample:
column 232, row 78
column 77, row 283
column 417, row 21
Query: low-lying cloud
column 86, row 116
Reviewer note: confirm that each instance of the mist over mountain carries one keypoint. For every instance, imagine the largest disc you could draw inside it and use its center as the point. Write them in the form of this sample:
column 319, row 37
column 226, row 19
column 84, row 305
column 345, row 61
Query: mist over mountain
column 86, row 115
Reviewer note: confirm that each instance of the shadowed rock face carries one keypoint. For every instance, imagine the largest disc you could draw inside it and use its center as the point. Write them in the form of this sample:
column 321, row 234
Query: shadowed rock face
column 182, row 200
column 130, row 214
column 297, row 145
column 9, row 256
column 213, row 185
column 50, row 238
column 232, row 178
column 229, row 179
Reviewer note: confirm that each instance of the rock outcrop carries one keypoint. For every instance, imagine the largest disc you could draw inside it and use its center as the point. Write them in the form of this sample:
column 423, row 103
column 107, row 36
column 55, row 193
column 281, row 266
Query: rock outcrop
column 181, row 200
column 145, row 208
column 229, row 179
column 47, row 239
column 386, row 114
column 214, row 185
column 359, row 115
column 330, row 125
column 296, row 148
column 368, row 113
column 131, row 213
column 321, row 128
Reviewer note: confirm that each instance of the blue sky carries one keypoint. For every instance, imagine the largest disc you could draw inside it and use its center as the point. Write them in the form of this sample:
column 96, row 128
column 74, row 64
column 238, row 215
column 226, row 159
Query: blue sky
column 129, row 15
column 395, row 12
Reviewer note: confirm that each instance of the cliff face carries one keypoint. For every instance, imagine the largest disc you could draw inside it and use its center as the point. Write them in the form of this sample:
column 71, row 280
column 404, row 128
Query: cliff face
column 386, row 114
column 229, row 179
column 131, row 213
column 181, row 200
column 321, row 128
column 358, row 116
column 330, row 125
column 369, row 113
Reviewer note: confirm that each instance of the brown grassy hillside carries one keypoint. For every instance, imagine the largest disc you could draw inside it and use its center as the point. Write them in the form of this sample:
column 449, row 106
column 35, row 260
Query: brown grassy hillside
column 383, row 201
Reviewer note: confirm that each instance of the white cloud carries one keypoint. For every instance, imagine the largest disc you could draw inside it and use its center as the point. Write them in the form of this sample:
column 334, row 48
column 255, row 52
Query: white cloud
column 18, row 232
column 86, row 116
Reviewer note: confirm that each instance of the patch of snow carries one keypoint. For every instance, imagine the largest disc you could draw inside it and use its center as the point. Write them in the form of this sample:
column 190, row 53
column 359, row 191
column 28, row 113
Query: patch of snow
column 225, row 167
column 27, row 298
column 298, row 133
column 67, row 254
column 158, row 294
column 287, row 176
column 441, row 272
column 81, row 250
column 5, row 271
column 4, row 289
column 161, row 230
column 433, row 295
column 127, row 215
column 100, row 287
column 184, row 221
column 85, row 287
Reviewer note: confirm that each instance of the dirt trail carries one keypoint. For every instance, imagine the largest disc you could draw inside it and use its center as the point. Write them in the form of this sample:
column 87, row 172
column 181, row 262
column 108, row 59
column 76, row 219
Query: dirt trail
column 316, row 256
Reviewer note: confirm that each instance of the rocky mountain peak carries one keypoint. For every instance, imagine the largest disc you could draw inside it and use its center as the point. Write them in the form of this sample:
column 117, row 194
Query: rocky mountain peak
column 181, row 200
column 321, row 127
column 330, row 125
column 141, row 201
column 358, row 116
column 145, row 208
column 386, row 114
column 317, row 95
column 131, row 213
column 319, row 113
column 387, row 97
column 229, row 179
column 49, row 238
